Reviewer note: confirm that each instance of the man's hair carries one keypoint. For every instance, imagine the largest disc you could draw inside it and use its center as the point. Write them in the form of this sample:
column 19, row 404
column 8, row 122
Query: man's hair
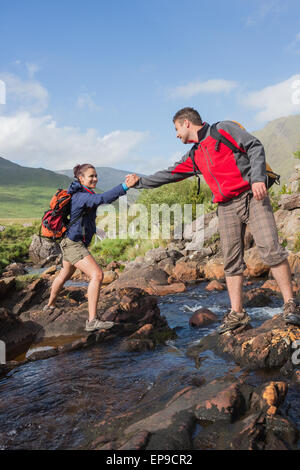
column 190, row 114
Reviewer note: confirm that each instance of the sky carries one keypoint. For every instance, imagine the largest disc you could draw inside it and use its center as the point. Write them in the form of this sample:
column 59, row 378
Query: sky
column 99, row 82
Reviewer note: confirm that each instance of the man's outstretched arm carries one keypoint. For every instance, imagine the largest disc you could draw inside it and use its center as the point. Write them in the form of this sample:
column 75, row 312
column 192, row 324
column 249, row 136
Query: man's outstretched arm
column 179, row 171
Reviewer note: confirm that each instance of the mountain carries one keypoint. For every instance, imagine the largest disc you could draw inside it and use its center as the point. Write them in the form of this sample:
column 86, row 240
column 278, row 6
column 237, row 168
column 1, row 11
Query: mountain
column 12, row 174
column 281, row 138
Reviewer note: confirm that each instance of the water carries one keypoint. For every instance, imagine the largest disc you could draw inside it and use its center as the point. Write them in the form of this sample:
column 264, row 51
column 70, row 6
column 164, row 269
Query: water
column 57, row 402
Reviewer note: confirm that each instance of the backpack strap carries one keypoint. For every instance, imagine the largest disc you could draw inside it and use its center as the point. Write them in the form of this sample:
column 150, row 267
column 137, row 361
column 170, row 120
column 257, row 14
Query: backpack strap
column 220, row 138
column 195, row 167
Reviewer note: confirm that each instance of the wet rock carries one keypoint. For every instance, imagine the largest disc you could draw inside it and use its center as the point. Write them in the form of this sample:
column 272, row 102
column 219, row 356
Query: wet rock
column 215, row 285
column 42, row 249
column 137, row 345
column 256, row 298
column 17, row 335
column 136, row 442
column 202, row 317
column 167, row 265
column 272, row 285
column 268, row 397
column 296, row 377
column 264, row 347
column 6, row 286
column 152, row 280
column 129, row 308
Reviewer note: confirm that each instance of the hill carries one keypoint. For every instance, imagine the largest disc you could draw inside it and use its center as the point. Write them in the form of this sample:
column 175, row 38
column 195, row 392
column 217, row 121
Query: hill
column 281, row 138
column 15, row 175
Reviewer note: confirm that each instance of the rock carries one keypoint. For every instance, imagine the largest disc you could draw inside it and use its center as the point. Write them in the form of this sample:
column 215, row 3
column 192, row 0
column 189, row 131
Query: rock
column 6, row 285
column 256, row 298
column 273, row 286
column 152, row 280
column 214, row 269
column 167, row 265
column 128, row 308
column 109, row 276
column 214, row 285
column 255, row 266
column 14, row 269
column 201, row 254
column 296, row 377
column 288, row 225
column 264, row 347
column 17, row 335
column 51, row 270
column 202, row 317
column 42, row 249
column 35, row 293
column 112, row 266
column 156, row 255
column 136, row 442
column 268, row 397
column 289, row 201
column 174, row 255
column 248, row 239
column 186, row 271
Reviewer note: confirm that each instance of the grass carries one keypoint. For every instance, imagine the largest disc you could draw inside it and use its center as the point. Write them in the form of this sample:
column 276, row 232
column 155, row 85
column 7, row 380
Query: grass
column 14, row 243
column 24, row 202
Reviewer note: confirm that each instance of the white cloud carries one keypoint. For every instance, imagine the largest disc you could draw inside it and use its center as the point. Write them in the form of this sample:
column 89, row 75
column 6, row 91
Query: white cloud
column 275, row 100
column 38, row 141
column 23, row 95
column 85, row 100
column 197, row 87
column 31, row 137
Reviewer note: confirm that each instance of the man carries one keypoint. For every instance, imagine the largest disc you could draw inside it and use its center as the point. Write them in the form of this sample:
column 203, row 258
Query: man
column 237, row 179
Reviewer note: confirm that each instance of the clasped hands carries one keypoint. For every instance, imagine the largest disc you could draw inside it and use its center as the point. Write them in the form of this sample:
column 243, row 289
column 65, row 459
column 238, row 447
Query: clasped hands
column 131, row 180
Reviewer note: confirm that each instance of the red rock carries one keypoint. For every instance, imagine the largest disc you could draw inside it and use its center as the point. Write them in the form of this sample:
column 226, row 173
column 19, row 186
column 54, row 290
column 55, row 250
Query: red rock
column 214, row 269
column 202, row 317
column 186, row 271
column 214, row 285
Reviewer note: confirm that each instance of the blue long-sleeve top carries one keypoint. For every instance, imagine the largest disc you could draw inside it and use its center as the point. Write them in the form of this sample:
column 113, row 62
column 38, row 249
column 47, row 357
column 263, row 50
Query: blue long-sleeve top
column 85, row 199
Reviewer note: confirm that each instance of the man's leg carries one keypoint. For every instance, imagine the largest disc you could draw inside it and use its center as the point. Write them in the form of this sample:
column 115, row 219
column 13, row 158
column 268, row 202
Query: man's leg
column 282, row 275
column 235, row 291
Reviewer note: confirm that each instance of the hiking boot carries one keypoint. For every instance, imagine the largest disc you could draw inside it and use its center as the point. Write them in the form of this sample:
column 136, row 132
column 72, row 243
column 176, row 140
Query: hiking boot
column 96, row 324
column 291, row 312
column 233, row 320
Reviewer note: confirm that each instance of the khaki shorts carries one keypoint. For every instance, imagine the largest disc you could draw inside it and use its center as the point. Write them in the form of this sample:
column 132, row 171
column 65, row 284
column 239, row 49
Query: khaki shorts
column 73, row 251
column 234, row 215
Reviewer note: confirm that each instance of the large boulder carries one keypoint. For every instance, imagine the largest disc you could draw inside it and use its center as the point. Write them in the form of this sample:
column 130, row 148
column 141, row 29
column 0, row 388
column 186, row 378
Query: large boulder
column 43, row 250
column 255, row 266
column 152, row 280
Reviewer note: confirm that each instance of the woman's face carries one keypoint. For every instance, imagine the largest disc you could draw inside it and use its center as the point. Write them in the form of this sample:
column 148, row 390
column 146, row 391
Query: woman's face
column 89, row 178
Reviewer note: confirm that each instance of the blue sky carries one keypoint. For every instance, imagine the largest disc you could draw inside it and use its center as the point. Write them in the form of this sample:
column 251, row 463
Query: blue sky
column 100, row 81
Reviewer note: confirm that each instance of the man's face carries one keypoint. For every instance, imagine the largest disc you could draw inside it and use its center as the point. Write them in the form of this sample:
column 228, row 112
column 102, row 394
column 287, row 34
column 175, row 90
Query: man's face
column 182, row 130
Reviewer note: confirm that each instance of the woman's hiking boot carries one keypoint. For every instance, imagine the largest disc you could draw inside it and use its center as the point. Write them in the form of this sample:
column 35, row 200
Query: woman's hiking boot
column 291, row 312
column 233, row 320
column 96, row 324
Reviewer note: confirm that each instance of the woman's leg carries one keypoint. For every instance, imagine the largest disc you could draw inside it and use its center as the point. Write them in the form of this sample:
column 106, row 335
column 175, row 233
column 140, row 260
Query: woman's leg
column 89, row 267
column 65, row 273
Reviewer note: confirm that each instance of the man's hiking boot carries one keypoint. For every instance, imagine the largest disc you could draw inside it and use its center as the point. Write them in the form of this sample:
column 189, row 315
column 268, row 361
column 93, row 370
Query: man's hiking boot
column 233, row 320
column 291, row 313
column 98, row 325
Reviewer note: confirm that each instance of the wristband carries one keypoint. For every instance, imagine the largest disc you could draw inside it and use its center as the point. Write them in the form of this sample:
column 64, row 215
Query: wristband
column 125, row 187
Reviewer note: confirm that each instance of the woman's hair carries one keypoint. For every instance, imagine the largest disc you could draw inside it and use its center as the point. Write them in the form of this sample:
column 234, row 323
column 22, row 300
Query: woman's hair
column 79, row 170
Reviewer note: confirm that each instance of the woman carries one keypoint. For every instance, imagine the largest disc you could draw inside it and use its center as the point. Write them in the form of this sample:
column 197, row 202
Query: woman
column 74, row 246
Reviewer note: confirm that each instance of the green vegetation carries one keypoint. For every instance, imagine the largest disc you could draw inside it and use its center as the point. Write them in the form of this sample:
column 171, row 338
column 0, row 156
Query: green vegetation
column 24, row 201
column 24, row 280
column 14, row 243
column 275, row 193
column 183, row 192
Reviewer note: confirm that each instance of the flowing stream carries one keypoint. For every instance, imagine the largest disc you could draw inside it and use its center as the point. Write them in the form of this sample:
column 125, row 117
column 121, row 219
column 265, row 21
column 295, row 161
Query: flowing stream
column 55, row 403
